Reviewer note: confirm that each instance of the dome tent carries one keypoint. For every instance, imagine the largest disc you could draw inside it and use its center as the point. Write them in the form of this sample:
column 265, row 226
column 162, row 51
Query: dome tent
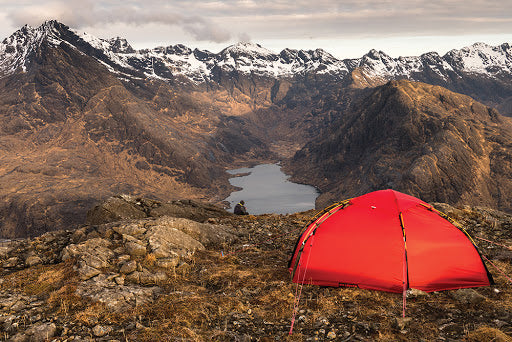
column 387, row 241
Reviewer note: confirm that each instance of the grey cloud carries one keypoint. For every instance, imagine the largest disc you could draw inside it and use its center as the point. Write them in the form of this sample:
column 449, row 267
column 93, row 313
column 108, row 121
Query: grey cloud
column 203, row 30
column 244, row 37
column 87, row 13
column 217, row 20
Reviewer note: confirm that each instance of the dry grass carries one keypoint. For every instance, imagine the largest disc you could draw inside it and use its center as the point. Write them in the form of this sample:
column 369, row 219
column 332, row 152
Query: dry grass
column 149, row 260
column 91, row 314
column 65, row 300
column 486, row 334
column 40, row 280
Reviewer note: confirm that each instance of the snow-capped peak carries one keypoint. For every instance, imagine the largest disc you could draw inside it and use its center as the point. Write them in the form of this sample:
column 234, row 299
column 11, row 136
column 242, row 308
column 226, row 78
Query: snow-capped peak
column 482, row 58
column 15, row 49
column 120, row 45
column 248, row 58
column 247, row 48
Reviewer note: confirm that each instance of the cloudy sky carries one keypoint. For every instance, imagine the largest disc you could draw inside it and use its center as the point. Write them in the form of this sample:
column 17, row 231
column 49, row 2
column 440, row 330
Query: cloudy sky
column 345, row 28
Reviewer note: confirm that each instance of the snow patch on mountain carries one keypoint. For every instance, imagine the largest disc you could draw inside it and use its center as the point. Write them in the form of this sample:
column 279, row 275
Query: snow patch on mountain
column 201, row 66
column 481, row 58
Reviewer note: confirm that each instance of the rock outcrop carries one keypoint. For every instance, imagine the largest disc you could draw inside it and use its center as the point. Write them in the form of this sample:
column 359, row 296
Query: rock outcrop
column 119, row 264
column 125, row 207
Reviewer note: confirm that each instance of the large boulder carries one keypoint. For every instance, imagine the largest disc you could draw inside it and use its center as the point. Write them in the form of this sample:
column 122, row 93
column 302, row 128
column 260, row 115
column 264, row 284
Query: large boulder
column 166, row 241
column 92, row 256
column 115, row 209
column 206, row 233
column 126, row 207
column 116, row 297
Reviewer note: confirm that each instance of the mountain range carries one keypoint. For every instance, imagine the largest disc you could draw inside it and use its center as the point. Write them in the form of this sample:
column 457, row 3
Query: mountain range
column 467, row 70
column 83, row 118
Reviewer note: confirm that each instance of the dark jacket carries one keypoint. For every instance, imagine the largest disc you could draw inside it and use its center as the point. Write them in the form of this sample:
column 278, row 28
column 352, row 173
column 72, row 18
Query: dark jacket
column 240, row 210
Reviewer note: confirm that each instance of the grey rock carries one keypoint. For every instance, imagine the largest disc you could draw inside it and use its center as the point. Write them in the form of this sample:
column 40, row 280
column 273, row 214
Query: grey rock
column 135, row 249
column 19, row 306
column 114, row 296
column 10, row 263
column 166, row 241
column 93, row 235
column 86, row 272
column 128, row 207
column 188, row 209
column 115, row 209
column 41, row 332
column 414, row 293
column 402, row 322
column 206, row 233
column 101, row 330
column 467, row 296
column 9, row 301
column 123, row 258
column 133, row 277
column 119, row 280
column 120, row 250
column 128, row 267
column 32, row 260
column 19, row 337
column 167, row 262
column 78, row 235
column 133, row 229
column 95, row 252
column 7, row 321
column 147, row 278
column 4, row 251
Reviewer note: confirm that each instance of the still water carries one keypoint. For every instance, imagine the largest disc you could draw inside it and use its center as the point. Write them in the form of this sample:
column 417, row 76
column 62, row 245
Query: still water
column 267, row 190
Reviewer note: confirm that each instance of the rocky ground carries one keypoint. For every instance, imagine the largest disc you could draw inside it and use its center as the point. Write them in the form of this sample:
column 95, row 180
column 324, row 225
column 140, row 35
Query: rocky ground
column 225, row 279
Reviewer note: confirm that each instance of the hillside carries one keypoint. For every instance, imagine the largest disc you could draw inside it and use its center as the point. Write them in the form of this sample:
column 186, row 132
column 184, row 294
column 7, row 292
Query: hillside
column 167, row 278
column 416, row 138
column 72, row 134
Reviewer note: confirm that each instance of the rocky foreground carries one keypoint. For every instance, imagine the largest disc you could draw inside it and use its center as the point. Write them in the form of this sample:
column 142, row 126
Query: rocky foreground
column 165, row 278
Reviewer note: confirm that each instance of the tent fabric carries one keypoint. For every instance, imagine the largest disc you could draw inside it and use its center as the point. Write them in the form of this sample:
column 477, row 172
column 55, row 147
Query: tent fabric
column 388, row 241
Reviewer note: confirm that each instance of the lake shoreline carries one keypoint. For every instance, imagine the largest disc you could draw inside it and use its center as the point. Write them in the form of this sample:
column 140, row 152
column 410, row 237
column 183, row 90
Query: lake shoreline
column 266, row 189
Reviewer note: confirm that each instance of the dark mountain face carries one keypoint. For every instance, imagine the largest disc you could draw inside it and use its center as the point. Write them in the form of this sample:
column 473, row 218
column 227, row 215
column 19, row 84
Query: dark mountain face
column 83, row 118
column 416, row 138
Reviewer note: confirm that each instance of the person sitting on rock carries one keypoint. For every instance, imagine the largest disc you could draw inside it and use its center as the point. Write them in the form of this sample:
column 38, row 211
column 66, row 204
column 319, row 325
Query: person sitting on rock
column 240, row 209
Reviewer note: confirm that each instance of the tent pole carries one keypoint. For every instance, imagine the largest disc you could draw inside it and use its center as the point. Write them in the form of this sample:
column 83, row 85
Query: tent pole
column 405, row 275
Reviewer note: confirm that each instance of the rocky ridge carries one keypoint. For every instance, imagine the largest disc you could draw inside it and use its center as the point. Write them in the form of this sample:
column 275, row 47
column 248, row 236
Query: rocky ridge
column 178, row 63
column 415, row 138
column 176, row 279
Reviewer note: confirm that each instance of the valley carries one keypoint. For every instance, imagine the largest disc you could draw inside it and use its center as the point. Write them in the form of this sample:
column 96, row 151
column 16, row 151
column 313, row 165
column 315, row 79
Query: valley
column 84, row 118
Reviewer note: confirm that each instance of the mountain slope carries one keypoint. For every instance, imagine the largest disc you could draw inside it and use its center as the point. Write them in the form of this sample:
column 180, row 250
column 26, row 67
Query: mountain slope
column 72, row 133
column 416, row 138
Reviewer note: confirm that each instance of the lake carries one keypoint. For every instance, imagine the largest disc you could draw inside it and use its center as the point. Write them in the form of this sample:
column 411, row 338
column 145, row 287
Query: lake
column 267, row 190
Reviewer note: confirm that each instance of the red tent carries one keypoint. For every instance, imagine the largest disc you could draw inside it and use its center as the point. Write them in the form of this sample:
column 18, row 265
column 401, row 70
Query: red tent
column 387, row 241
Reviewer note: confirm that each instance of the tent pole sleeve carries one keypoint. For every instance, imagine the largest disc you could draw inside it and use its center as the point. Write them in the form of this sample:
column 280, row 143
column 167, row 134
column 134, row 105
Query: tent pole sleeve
column 405, row 274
